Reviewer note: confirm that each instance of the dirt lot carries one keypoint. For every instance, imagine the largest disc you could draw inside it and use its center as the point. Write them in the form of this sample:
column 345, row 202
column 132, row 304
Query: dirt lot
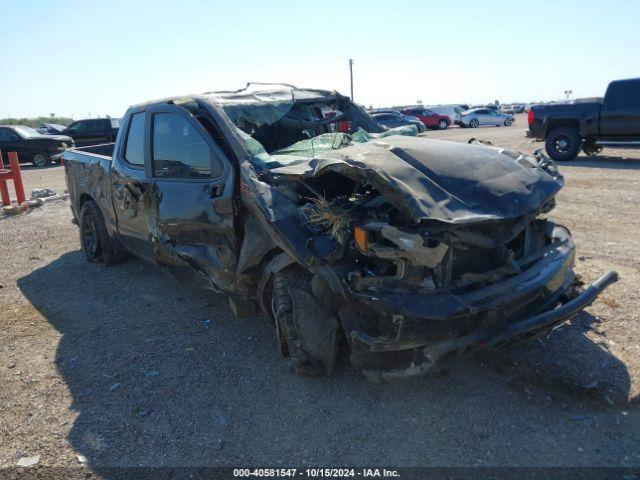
column 124, row 367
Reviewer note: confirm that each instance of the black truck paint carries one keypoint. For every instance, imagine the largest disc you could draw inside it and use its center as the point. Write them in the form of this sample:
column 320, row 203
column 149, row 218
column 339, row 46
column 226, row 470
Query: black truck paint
column 412, row 249
column 590, row 126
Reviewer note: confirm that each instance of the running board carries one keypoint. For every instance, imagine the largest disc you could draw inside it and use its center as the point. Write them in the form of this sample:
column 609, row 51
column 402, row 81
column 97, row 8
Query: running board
column 632, row 144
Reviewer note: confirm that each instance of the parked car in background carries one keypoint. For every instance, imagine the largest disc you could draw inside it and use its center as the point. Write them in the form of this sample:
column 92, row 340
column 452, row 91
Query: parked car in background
column 518, row 108
column 590, row 126
column 93, row 131
column 31, row 145
column 393, row 119
column 485, row 116
column 428, row 117
column 51, row 129
column 507, row 109
column 451, row 111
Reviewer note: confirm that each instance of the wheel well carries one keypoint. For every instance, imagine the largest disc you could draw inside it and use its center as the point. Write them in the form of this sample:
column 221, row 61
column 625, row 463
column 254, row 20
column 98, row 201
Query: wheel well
column 563, row 123
column 82, row 200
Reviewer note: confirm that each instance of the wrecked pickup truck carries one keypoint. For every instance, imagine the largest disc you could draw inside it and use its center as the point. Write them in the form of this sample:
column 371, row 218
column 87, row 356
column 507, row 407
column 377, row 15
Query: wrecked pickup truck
column 413, row 250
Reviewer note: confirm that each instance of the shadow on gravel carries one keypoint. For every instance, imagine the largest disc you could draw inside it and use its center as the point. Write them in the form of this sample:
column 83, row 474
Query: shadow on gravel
column 161, row 375
column 604, row 161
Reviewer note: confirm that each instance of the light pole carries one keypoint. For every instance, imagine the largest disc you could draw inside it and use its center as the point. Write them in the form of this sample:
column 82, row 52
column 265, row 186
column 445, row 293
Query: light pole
column 351, row 76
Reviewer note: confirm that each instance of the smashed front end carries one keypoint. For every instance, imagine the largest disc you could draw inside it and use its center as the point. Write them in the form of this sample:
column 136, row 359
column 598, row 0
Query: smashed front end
column 422, row 249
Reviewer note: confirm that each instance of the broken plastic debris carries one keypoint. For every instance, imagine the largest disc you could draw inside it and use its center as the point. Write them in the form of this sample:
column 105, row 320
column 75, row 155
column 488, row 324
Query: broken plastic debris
column 28, row 461
column 82, row 458
column 42, row 193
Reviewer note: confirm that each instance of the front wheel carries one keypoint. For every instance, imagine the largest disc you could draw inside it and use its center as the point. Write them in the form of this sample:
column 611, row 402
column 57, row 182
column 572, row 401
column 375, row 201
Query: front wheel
column 474, row 123
column 508, row 122
column 563, row 143
column 442, row 124
column 282, row 308
column 41, row 159
column 591, row 149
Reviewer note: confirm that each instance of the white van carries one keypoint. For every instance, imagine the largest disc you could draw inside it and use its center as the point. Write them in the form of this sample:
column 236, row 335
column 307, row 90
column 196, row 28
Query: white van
column 452, row 111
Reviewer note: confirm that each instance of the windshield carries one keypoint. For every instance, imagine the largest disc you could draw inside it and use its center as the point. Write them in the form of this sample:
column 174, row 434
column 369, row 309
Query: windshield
column 282, row 126
column 26, row 132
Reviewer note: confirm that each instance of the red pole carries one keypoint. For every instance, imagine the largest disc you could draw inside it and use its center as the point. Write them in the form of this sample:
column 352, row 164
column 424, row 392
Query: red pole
column 4, row 190
column 17, row 177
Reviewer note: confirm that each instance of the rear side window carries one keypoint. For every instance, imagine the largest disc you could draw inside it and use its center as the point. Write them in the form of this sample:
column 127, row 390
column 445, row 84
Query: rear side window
column 6, row 134
column 81, row 126
column 134, row 150
column 180, row 151
column 102, row 125
column 623, row 94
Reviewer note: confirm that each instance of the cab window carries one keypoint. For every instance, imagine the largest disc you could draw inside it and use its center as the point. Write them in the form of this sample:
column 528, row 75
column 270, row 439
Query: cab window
column 179, row 150
column 134, row 149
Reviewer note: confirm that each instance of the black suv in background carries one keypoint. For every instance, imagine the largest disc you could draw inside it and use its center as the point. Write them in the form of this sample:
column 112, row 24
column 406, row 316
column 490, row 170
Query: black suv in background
column 590, row 125
column 93, row 131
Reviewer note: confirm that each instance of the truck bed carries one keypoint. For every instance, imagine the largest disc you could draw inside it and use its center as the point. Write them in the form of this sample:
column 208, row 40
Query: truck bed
column 87, row 173
column 104, row 150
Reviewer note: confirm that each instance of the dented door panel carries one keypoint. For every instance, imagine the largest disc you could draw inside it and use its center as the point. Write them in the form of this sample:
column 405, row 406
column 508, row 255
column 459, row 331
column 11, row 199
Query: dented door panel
column 190, row 206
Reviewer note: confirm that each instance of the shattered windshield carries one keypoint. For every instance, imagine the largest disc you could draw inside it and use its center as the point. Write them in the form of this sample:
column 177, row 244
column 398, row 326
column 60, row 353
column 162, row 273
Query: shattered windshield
column 286, row 126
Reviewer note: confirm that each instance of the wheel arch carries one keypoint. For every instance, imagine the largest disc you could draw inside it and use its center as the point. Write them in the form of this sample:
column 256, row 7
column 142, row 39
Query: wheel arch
column 563, row 122
column 278, row 262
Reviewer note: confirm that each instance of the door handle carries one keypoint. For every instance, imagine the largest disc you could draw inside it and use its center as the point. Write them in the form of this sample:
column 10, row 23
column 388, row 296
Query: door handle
column 216, row 190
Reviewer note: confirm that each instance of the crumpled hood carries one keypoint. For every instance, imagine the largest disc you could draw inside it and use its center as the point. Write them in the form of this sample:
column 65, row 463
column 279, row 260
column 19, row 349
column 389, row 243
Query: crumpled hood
column 442, row 180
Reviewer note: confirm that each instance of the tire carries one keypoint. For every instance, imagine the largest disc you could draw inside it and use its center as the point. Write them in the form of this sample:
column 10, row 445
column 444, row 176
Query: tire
column 563, row 143
column 590, row 148
column 507, row 122
column 442, row 125
column 94, row 239
column 282, row 308
column 474, row 123
column 41, row 159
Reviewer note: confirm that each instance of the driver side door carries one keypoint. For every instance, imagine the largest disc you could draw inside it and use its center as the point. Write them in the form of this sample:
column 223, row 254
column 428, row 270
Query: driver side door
column 191, row 202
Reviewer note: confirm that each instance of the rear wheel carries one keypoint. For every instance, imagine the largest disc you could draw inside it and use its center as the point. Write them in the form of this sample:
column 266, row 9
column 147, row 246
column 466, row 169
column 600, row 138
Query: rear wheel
column 474, row 123
column 508, row 122
column 563, row 143
column 94, row 238
column 282, row 308
column 41, row 159
column 442, row 124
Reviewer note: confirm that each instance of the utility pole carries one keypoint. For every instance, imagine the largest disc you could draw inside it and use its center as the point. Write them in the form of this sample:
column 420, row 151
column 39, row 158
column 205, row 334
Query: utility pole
column 351, row 75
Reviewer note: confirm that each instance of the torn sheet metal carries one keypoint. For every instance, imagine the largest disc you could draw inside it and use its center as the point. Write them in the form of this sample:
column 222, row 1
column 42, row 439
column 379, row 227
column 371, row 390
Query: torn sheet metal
column 441, row 180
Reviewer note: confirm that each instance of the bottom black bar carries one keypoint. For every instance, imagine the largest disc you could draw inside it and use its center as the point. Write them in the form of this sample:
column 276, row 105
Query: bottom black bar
column 410, row 473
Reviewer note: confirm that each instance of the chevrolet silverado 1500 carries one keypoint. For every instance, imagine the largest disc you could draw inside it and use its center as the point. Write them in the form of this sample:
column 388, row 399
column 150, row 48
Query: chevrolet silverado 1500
column 412, row 249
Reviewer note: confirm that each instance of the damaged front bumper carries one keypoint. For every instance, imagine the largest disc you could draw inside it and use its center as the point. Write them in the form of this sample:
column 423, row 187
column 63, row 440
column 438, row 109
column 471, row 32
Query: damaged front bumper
column 427, row 328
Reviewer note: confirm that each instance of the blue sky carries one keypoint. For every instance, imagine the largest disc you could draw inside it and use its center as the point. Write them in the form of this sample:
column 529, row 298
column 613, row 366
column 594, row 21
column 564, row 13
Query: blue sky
column 80, row 58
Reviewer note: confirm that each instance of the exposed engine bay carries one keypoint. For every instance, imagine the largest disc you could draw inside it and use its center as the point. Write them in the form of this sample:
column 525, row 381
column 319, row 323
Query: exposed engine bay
column 413, row 248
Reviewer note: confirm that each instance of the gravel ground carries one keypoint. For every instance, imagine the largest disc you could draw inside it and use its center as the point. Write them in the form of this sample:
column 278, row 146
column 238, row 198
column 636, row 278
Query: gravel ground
column 122, row 366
